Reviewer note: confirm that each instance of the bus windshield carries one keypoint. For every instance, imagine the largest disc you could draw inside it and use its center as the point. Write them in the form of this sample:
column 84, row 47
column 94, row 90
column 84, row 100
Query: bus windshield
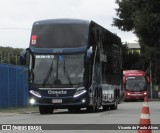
column 136, row 83
column 58, row 69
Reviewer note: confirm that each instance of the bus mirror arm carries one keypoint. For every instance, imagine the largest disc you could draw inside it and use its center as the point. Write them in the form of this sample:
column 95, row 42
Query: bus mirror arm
column 23, row 56
column 29, row 52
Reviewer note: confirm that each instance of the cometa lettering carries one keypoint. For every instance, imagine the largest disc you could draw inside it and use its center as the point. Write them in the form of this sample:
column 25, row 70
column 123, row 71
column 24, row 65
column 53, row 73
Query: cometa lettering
column 57, row 92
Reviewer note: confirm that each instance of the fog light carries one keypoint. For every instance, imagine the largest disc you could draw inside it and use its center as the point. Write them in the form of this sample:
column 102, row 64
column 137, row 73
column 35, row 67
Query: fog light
column 32, row 101
column 83, row 100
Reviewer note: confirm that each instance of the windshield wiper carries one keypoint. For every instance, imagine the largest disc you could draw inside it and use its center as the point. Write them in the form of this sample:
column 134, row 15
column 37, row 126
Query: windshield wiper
column 66, row 73
column 48, row 74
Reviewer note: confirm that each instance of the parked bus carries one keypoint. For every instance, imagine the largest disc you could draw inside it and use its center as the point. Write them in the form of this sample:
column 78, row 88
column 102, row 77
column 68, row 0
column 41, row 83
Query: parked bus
column 73, row 64
column 135, row 84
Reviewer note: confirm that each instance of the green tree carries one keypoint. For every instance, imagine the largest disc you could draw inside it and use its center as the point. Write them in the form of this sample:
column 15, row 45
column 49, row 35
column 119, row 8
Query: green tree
column 133, row 60
column 142, row 17
column 10, row 55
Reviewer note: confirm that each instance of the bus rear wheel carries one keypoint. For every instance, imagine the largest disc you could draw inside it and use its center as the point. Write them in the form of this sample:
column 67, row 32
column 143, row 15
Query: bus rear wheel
column 105, row 107
column 45, row 110
column 115, row 105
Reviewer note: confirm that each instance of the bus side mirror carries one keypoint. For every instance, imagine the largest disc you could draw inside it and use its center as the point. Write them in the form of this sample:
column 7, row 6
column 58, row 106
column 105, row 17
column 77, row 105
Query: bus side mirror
column 23, row 56
column 148, row 80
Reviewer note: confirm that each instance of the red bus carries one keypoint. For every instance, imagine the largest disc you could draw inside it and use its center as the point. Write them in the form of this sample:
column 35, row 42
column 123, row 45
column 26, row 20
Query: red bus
column 135, row 84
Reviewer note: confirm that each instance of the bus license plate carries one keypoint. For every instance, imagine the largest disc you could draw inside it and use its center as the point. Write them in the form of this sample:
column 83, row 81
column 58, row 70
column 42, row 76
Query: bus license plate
column 56, row 100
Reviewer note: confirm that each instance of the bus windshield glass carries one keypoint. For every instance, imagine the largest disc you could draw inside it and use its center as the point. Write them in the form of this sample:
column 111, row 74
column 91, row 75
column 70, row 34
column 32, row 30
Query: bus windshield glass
column 59, row 36
column 58, row 69
column 137, row 83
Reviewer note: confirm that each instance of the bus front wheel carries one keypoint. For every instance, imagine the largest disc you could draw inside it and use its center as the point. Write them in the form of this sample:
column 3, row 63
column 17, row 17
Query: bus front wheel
column 97, row 101
column 92, row 109
column 45, row 110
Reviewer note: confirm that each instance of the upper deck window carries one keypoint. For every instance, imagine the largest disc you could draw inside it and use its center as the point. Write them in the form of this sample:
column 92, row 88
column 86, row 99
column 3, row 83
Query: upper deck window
column 59, row 35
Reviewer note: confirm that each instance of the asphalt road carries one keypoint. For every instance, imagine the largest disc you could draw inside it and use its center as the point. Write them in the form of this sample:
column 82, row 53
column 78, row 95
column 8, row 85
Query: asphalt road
column 127, row 113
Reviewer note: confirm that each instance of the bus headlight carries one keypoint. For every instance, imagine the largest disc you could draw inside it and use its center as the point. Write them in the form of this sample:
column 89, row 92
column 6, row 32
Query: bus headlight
column 128, row 94
column 80, row 92
column 35, row 93
column 145, row 93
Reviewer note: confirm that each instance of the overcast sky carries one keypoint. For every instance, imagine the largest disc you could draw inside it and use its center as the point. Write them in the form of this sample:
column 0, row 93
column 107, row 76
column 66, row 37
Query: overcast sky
column 17, row 17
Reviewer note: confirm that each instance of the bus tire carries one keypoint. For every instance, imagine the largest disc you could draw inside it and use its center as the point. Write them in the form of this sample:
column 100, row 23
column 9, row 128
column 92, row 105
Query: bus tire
column 105, row 107
column 92, row 109
column 45, row 110
column 115, row 105
column 125, row 100
column 97, row 102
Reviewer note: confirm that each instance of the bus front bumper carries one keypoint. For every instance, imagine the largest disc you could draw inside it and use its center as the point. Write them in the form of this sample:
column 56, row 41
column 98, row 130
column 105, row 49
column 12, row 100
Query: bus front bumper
column 60, row 102
column 135, row 95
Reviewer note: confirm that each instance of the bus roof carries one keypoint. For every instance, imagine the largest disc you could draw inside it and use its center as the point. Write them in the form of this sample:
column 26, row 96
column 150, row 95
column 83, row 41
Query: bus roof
column 69, row 33
column 71, row 21
column 61, row 21
column 134, row 73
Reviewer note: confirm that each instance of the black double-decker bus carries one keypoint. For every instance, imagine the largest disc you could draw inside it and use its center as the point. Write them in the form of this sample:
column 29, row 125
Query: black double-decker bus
column 73, row 64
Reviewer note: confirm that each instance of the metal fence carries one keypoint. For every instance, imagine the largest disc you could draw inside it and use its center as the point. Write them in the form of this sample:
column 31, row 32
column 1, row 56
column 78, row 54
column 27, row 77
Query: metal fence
column 13, row 86
column 9, row 58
